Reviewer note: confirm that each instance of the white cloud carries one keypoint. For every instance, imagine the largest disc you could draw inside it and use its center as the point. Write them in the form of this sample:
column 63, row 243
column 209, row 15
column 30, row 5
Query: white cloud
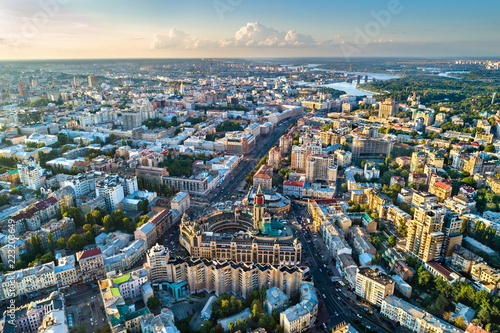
column 178, row 39
column 258, row 35
column 252, row 35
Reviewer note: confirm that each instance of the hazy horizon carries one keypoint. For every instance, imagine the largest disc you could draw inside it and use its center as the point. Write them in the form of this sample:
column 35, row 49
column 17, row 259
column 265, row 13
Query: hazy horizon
column 153, row 29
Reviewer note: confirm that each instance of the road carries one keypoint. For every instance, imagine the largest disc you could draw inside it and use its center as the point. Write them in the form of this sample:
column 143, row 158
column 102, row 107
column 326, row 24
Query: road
column 335, row 298
column 248, row 163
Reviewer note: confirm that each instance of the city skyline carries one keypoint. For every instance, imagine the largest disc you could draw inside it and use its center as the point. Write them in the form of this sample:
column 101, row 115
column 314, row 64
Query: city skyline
column 73, row 29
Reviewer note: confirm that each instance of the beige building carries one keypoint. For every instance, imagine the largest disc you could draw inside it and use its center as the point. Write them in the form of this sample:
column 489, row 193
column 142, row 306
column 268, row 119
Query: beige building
column 388, row 108
column 274, row 157
column 425, row 239
column 417, row 161
column 301, row 153
column 157, row 260
column 473, row 165
column 263, row 177
column 285, row 144
column 27, row 280
column 181, row 202
column 462, row 259
column 366, row 147
column 486, row 274
column 66, row 273
column 441, row 190
column 317, row 167
column 91, row 264
column 223, row 276
column 301, row 316
column 373, row 286
column 377, row 201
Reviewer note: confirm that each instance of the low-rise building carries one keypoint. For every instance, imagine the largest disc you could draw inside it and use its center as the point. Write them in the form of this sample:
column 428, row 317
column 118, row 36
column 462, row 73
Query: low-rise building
column 275, row 300
column 301, row 317
column 414, row 318
column 463, row 260
column 91, row 264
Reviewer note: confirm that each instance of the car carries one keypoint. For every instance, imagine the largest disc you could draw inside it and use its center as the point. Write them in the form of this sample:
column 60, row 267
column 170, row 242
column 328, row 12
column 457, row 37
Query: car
column 359, row 316
column 338, row 298
column 321, row 270
column 324, row 296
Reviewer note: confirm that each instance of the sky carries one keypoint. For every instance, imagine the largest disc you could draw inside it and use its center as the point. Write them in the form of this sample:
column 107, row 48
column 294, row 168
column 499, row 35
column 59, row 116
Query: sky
column 81, row 29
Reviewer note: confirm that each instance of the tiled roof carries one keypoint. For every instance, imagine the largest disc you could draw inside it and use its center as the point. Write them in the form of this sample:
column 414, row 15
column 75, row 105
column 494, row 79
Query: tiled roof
column 89, row 253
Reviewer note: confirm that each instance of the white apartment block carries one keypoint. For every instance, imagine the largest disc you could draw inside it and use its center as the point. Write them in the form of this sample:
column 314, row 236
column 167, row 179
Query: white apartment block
column 31, row 174
column 414, row 318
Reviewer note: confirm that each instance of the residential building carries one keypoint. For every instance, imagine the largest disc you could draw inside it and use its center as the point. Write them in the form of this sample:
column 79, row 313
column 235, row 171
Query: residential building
column 276, row 300
column 424, row 239
column 301, row 317
column 193, row 275
column 373, row 285
column 462, row 259
column 293, row 188
column 91, row 263
column 264, row 177
column 181, row 202
column 65, row 271
column 31, row 174
column 114, row 291
column 414, row 318
column 28, row 280
column 317, row 168
column 441, row 190
column 486, row 274
column 30, row 316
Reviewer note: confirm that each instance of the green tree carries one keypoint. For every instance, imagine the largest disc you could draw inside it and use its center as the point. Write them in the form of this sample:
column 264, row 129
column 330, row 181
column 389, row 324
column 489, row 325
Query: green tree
column 490, row 149
column 89, row 219
column 87, row 227
column 96, row 214
column 424, row 277
column 50, row 240
column 154, row 303
column 89, row 238
column 36, row 244
column 463, row 227
column 76, row 242
column 143, row 205
column 61, row 244
column 392, row 240
column 107, row 222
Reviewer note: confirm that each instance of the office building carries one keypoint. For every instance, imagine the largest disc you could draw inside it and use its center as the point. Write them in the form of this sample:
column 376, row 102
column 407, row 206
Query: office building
column 365, row 147
column 388, row 108
column 321, row 168
column 92, row 80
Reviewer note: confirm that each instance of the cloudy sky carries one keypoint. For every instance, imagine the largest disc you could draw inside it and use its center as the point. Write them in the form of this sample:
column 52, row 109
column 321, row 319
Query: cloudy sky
column 54, row 29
